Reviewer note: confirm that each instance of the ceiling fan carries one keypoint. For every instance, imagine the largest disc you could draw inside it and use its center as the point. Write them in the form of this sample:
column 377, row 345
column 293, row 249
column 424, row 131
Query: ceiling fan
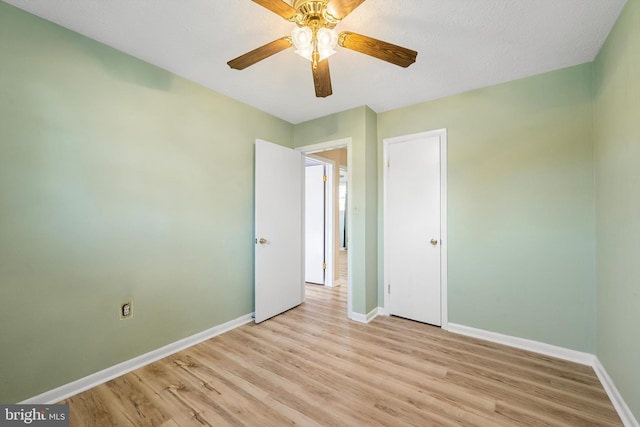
column 315, row 39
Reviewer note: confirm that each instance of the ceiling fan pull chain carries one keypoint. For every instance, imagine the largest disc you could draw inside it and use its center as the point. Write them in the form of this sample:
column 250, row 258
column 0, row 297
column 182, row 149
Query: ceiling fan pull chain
column 315, row 56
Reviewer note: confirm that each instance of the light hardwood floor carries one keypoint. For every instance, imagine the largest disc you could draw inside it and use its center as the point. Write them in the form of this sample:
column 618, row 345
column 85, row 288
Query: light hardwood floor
column 312, row 366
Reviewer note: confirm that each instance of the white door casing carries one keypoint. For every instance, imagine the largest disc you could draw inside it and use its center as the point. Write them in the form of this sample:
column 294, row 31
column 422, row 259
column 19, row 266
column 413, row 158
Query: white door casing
column 279, row 256
column 314, row 236
column 415, row 227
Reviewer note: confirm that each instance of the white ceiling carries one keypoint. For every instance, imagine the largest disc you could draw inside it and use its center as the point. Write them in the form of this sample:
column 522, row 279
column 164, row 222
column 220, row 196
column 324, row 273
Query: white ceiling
column 461, row 44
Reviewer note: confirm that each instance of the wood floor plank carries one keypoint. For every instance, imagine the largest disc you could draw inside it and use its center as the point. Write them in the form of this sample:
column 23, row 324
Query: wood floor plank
column 300, row 395
column 311, row 366
column 432, row 381
column 214, row 371
column 364, row 394
column 493, row 368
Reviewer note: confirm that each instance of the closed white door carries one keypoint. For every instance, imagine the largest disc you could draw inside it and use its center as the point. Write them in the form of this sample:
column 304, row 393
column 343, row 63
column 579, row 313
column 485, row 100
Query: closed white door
column 314, row 240
column 413, row 229
column 279, row 279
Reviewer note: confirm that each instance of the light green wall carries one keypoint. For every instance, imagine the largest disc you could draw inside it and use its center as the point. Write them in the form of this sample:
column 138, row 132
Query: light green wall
column 617, row 129
column 359, row 124
column 118, row 181
column 521, row 204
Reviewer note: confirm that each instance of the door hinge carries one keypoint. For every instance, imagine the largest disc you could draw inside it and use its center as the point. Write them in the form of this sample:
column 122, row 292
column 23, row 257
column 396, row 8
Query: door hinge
column 324, row 178
column 389, row 288
column 324, row 265
column 388, row 163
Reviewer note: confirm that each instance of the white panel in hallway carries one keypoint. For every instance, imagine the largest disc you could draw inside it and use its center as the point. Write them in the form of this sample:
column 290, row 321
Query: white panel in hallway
column 314, row 236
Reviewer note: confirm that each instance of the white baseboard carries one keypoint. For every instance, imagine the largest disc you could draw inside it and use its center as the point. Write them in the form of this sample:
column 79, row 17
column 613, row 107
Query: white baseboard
column 561, row 353
column 616, row 398
column 90, row 381
column 525, row 344
column 365, row 318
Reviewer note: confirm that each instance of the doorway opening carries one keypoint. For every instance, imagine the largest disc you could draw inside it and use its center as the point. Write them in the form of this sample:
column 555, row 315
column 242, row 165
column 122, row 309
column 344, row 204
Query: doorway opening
column 339, row 154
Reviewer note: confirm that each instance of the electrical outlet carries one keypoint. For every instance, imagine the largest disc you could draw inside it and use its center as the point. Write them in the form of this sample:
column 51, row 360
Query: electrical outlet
column 126, row 310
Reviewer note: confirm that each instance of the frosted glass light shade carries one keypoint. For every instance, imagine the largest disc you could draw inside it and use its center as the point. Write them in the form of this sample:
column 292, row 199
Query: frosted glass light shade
column 303, row 41
column 327, row 41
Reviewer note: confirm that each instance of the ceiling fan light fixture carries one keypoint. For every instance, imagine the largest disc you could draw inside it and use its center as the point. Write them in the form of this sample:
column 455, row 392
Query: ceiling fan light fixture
column 304, row 40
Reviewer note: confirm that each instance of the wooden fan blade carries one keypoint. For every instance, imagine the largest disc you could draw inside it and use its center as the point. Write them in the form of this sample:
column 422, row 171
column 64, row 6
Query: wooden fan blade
column 377, row 48
column 341, row 8
column 278, row 7
column 257, row 55
column 322, row 79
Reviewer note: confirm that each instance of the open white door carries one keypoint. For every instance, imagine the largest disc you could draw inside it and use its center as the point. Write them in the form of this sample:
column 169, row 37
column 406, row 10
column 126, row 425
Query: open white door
column 279, row 251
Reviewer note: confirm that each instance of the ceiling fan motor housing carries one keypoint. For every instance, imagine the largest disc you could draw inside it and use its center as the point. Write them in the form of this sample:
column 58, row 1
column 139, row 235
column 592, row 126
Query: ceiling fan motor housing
column 314, row 14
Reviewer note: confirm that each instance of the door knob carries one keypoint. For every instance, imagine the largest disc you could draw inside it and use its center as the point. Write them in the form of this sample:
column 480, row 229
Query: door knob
column 434, row 242
column 262, row 241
